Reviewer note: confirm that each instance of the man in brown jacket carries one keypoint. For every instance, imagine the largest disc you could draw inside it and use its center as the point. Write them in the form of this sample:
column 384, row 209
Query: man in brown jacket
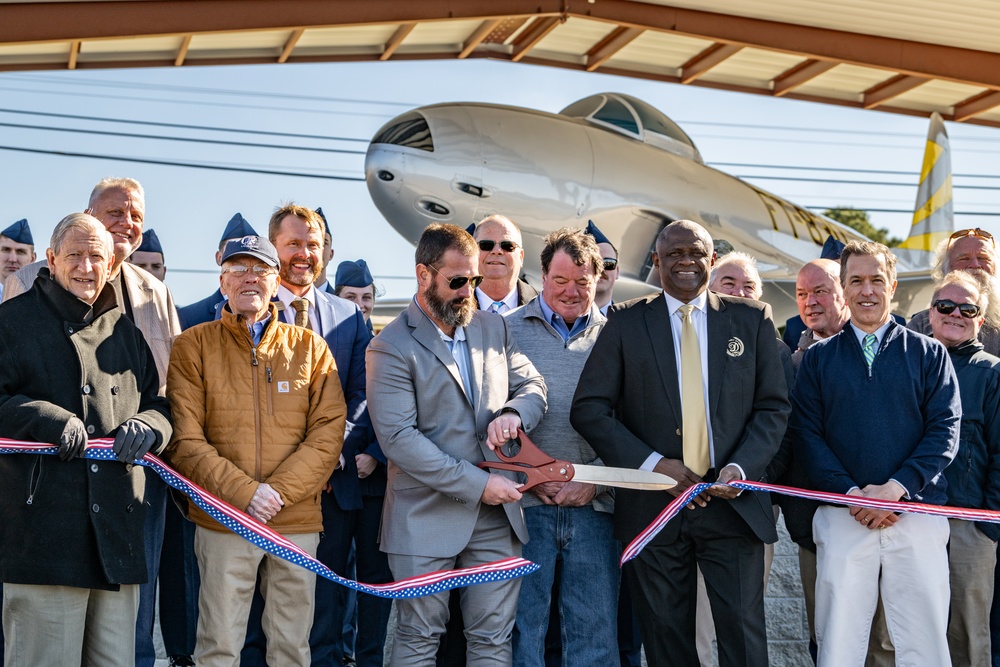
column 260, row 418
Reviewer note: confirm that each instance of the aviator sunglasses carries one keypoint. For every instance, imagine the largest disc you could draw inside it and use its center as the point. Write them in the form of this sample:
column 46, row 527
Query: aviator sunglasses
column 986, row 236
column 457, row 283
column 947, row 307
column 506, row 246
column 610, row 264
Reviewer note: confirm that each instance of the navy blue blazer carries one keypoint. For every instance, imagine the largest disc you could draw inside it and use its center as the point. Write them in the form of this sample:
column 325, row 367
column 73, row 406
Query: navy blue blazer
column 200, row 311
column 343, row 328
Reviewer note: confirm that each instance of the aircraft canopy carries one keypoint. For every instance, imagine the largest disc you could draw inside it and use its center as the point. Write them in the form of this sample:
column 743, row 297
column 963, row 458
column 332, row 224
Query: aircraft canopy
column 634, row 118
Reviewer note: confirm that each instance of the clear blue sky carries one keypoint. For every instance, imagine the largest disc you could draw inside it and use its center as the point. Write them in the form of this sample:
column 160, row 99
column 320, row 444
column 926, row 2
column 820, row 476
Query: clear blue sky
column 188, row 207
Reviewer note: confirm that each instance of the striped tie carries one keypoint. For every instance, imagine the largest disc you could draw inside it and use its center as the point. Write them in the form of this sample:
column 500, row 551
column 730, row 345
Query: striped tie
column 497, row 305
column 868, row 348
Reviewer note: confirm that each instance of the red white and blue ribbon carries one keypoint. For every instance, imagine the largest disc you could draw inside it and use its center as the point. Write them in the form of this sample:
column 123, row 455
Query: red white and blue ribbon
column 267, row 539
column 681, row 501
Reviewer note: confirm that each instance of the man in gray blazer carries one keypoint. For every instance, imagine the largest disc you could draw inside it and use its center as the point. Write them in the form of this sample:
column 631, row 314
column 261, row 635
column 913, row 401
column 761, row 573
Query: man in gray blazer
column 628, row 406
column 446, row 385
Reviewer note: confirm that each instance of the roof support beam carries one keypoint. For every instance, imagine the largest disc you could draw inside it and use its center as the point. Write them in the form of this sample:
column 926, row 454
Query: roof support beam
column 977, row 104
column 396, row 40
column 534, row 33
column 706, row 60
column 74, row 53
column 290, row 43
column 183, row 51
column 477, row 37
column 802, row 73
column 890, row 89
column 610, row 45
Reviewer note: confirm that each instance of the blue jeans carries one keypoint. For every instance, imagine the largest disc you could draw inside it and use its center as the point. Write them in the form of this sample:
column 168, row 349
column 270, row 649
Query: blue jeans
column 581, row 538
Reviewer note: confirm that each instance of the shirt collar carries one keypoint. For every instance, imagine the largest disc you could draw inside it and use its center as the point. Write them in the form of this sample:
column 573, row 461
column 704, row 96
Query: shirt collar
column 485, row 301
column 879, row 333
column 700, row 302
column 549, row 314
column 286, row 297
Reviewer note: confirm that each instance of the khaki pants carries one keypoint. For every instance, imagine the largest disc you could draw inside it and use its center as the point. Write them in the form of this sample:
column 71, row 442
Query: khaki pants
column 61, row 625
column 972, row 557
column 228, row 565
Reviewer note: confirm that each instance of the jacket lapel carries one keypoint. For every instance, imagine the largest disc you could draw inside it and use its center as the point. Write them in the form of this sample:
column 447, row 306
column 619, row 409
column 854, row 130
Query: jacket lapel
column 719, row 333
column 327, row 320
column 474, row 341
column 425, row 333
column 662, row 339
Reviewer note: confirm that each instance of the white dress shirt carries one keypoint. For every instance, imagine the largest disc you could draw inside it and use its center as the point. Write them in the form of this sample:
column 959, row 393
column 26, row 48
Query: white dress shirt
column 508, row 303
column 286, row 298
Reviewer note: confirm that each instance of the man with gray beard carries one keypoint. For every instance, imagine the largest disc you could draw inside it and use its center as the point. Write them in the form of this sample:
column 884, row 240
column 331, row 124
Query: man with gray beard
column 973, row 251
column 446, row 385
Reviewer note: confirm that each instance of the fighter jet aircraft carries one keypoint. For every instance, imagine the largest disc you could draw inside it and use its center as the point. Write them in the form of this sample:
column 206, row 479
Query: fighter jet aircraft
column 618, row 161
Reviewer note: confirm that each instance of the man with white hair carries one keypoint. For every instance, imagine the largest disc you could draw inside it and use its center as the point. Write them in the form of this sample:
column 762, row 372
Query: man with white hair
column 70, row 554
column 120, row 205
column 501, row 258
column 975, row 252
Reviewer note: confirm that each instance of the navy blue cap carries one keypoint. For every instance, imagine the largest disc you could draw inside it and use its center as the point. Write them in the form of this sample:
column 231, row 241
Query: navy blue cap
column 832, row 249
column 237, row 228
column 19, row 232
column 353, row 274
column 253, row 246
column 150, row 242
column 471, row 229
column 326, row 225
column 596, row 233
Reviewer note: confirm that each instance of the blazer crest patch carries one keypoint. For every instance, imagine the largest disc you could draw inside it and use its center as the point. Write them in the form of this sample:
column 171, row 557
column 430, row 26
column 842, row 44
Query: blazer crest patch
column 734, row 348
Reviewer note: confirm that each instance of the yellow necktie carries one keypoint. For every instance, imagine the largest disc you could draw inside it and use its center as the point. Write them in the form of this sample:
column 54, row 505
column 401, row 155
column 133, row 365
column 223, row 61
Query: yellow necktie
column 301, row 307
column 694, row 428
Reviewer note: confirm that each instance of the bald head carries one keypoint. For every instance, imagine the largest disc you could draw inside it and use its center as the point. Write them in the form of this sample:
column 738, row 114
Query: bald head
column 820, row 297
column 500, row 267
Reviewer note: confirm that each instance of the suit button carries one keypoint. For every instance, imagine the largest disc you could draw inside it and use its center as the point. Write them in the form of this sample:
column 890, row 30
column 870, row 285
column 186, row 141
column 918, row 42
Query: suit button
column 86, row 389
column 481, row 437
column 94, row 467
column 96, row 508
column 678, row 431
column 114, row 390
column 90, row 429
column 129, row 508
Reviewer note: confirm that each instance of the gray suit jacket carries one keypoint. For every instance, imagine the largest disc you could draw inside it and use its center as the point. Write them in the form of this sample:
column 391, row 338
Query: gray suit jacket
column 433, row 436
column 152, row 307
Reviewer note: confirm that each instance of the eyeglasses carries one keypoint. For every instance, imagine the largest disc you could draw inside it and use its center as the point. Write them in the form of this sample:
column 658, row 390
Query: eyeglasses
column 458, row 282
column 610, row 264
column 260, row 271
column 986, row 236
column 947, row 307
column 506, row 246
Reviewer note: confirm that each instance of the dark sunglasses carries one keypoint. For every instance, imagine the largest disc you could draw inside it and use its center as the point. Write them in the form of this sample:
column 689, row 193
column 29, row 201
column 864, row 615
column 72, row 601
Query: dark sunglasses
column 973, row 232
column 610, row 264
column 506, row 246
column 458, row 282
column 947, row 307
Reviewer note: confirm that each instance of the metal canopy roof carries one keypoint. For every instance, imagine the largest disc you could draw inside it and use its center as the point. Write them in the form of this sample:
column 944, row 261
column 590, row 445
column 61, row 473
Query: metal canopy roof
column 903, row 56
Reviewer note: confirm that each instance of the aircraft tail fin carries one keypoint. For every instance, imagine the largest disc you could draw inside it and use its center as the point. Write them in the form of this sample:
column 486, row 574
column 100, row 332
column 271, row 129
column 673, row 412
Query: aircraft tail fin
column 933, row 215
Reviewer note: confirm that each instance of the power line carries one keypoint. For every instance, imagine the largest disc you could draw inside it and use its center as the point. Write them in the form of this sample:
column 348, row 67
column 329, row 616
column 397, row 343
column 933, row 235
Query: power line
column 833, row 181
column 192, row 165
column 160, row 137
column 899, row 210
column 135, row 85
column 186, row 126
column 855, row 170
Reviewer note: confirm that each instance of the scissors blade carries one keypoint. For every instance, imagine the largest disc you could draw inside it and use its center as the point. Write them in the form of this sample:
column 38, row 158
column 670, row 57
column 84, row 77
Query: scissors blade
column 623, row 477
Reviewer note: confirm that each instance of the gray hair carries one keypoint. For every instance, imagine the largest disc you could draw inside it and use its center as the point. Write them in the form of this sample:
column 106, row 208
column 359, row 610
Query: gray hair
column 501, row 220
column 966, row 281
column 941, row 263
column 83, row 222
column 748, row 262
column 113, row 183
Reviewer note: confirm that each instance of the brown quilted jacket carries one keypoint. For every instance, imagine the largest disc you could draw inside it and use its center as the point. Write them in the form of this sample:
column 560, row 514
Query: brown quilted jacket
column 245, row 415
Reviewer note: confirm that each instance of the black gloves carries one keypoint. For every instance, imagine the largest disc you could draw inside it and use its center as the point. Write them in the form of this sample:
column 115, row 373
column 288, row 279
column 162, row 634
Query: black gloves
column 133, row 441
column 73, row 440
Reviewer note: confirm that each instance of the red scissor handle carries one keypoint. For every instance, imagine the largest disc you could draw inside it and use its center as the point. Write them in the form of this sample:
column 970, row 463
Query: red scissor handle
column 527, row 458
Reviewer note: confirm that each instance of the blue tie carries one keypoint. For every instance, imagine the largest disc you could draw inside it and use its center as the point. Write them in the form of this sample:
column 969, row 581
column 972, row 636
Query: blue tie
column 868, row 348
column 497, row 305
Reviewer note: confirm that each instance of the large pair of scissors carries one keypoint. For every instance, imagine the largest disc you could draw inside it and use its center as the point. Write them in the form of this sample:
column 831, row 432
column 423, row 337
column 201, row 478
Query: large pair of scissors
column 521, row 455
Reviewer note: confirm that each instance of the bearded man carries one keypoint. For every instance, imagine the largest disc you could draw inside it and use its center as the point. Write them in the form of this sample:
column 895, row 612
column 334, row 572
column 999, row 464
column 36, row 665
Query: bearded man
column 446, row 385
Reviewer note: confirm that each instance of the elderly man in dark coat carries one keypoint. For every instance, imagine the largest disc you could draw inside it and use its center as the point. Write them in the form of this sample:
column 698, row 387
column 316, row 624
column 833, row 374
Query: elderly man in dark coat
column 73, row 366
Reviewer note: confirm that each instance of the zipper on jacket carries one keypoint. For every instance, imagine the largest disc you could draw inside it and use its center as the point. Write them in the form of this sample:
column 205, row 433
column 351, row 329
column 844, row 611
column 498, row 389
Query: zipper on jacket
column 256, row 412
column 270, row 406
column 34, row 477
